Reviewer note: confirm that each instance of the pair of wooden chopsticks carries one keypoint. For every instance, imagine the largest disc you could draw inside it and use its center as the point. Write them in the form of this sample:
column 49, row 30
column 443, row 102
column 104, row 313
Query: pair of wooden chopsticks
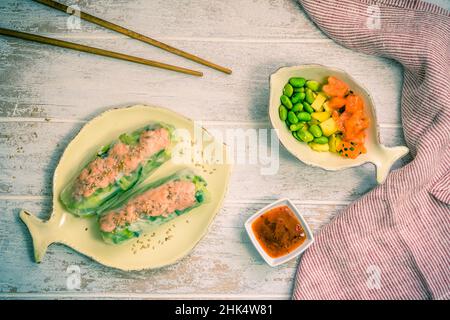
column 112, row 54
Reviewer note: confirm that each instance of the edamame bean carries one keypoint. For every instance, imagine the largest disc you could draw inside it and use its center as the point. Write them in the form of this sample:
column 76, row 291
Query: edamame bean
column 286, row 101
column 304, row 116
column 292, row 117
column 306, row 136
column 295, row 134
column 315, row 130
column 307, row 107
column 297, row 107
column 297, row 82
column 305, row 127
column 309, row 96
column 288, row 90
column 282, row 112
column 313, row 85
column 296, row 127
column 301, row 89
column 321, row 140
column 298, row 97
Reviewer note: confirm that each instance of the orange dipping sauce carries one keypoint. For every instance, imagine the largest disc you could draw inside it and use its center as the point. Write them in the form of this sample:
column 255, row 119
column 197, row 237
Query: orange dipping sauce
column 278, row 231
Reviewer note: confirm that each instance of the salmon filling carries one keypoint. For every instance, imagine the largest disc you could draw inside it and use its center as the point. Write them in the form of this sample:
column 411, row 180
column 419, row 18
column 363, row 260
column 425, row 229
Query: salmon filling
column 161, row 201
column 122, row 160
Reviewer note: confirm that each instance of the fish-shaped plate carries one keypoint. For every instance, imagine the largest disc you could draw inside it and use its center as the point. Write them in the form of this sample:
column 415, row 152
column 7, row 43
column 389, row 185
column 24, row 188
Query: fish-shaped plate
column 383, row 157
column 155, row 248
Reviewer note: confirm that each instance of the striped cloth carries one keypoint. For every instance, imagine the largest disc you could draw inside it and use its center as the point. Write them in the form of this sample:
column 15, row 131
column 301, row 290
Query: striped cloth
column 393, row 243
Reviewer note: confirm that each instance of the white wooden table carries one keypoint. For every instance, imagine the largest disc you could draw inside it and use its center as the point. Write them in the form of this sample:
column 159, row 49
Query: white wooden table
column 47, row 94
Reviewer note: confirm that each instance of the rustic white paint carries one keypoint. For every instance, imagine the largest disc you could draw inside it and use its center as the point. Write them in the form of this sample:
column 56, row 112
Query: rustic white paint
column 46, row 94
column 56, row 83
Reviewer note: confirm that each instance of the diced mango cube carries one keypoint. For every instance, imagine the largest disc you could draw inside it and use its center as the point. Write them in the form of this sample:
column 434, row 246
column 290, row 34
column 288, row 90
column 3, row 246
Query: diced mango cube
column 326, row 107
column 319, row 101
column 328, row 127
column 321, row 116
column 333, row 142
column 319, row 147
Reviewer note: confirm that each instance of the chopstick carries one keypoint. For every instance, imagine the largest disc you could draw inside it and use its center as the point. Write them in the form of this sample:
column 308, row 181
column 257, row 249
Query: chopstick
column 102, row 52
column 135, row 35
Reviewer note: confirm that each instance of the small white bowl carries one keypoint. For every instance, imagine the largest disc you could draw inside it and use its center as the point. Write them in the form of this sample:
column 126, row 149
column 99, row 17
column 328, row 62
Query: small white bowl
column 383, row 157
column 273, row 262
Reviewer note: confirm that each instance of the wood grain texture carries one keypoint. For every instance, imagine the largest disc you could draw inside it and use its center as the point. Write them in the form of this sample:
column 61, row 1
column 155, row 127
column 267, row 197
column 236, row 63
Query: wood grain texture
column 37, row 146
column 43, row 104
column 41, row 81
column 232, row 19
column 223, row 264
column 93, row 50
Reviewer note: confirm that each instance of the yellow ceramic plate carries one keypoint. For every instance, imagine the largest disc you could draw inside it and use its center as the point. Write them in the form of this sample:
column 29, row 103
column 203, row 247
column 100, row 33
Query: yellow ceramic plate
column 159, row 247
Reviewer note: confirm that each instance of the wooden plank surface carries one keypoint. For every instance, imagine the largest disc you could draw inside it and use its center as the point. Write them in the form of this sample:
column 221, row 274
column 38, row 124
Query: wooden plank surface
column 224, row 264
column 56, row 83
column 47, row 94
column 45, row 141
column 174, row 19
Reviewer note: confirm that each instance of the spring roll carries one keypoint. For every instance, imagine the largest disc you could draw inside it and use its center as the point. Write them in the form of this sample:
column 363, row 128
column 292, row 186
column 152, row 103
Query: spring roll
column 152, row 205
column 117, row 167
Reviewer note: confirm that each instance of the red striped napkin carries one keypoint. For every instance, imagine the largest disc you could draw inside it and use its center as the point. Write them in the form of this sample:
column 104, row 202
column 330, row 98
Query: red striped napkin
column 394, row 243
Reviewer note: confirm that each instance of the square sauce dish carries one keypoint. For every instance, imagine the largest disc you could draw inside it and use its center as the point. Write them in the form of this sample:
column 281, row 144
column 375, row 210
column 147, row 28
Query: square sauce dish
column 279, row 232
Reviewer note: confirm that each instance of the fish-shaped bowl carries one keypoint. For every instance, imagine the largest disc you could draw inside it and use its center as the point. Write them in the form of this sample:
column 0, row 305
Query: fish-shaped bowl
column 381, row 156
column 156, row 248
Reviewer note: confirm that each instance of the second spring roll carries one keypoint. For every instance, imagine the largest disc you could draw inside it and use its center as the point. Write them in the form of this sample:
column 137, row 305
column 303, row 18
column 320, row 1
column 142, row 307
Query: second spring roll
column 152, row 205
column 117, row 167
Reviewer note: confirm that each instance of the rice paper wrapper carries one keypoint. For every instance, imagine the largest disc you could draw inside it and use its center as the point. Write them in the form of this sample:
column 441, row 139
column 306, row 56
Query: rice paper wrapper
column 146, row 223
column 88, row 206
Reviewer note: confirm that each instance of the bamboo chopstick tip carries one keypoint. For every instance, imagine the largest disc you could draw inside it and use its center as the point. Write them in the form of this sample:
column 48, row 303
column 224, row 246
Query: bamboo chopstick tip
column 223, row 69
